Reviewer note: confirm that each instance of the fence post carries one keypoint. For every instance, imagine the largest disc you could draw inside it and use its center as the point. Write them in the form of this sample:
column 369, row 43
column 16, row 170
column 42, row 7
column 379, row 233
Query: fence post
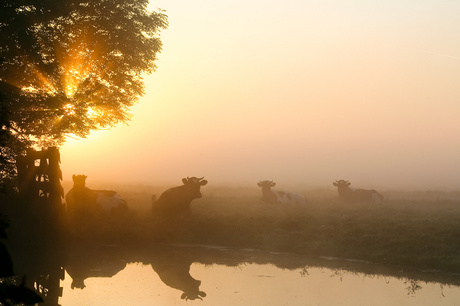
column 39, row 178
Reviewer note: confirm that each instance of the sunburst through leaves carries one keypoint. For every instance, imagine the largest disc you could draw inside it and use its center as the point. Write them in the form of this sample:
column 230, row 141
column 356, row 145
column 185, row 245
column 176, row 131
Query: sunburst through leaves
column 74, row 67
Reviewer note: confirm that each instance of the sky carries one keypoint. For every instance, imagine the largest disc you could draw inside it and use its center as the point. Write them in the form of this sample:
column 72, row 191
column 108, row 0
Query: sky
column 301, row 92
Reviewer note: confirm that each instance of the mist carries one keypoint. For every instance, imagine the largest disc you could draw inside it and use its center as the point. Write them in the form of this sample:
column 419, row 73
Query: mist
column 366, row 93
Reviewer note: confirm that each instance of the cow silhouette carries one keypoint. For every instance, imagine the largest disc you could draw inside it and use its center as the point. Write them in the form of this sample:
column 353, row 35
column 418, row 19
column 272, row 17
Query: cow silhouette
column 351, row 195
column 83, row 200
column 175, row 202
column 270, row 196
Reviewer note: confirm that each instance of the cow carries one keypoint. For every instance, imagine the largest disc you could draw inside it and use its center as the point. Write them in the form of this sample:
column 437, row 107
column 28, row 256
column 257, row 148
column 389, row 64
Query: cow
column 351, row 195
column 83, row 200
column 175, row 202
column 270, row 196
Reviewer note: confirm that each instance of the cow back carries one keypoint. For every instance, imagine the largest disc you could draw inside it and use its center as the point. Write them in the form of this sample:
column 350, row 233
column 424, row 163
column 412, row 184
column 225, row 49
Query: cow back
column 174, row 201
column 111, row 202
column 269, row 196
column 81, row 200
column 360, row 195
column 290, row 198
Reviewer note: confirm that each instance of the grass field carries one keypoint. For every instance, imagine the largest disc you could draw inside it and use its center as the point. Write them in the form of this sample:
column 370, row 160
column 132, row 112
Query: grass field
column 418, row 230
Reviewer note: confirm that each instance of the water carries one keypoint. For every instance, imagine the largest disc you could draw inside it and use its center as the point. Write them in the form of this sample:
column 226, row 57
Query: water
column 159, row 275
column 256, row 284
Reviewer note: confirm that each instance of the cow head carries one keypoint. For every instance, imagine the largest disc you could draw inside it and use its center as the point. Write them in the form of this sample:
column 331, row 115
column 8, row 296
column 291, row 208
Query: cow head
column 79, row 181
column 266, row 184
column 268, row 196
column 193, row 185
column 341, row 184
column 193, row 292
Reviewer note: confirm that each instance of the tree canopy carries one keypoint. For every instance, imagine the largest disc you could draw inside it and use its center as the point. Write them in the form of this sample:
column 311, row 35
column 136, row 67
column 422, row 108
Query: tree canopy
column 75, row 66
column 69, row 67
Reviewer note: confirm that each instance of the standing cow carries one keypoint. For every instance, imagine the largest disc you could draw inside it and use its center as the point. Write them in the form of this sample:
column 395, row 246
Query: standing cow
column 270, row 196
column 82, row 200
column 351, row 195
column 175, row 202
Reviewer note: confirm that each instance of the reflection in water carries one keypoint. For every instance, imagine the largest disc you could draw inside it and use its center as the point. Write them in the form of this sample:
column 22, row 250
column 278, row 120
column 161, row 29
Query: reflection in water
column 11, row 291
column 248, row 277
column 171, row 264
column 257, row 284
column 41, row 270
column 412, row 286
column 91, row 261
column 173, row 268
column 114, row 275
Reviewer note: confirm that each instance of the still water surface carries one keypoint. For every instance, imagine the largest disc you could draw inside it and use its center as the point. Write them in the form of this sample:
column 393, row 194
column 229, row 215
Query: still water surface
column 249, row 283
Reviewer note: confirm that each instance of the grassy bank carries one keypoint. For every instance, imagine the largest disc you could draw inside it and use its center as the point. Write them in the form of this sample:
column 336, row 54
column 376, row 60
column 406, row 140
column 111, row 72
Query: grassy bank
column 416, row 230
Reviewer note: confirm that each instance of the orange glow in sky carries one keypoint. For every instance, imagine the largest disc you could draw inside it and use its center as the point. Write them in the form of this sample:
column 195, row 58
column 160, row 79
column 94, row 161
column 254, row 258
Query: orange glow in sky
column 303, row 92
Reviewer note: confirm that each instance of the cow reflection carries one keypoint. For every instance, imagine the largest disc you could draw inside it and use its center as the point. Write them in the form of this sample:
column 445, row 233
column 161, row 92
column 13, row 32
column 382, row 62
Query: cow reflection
column 86, row 263
column 173, row 268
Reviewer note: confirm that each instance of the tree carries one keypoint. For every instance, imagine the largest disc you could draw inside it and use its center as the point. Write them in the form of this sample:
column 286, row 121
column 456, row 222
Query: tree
column 70, row 67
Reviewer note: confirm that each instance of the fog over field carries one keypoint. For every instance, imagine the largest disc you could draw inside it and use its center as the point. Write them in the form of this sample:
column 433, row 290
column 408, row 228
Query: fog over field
column 299, row 92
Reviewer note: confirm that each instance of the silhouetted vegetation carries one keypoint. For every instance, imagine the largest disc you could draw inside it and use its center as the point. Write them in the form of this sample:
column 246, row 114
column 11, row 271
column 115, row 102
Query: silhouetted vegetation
column 12, row 291
column 69, row 67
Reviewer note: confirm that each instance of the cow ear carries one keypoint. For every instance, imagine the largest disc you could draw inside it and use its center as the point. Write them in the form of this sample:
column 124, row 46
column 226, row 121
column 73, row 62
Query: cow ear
column 335, row 184
column 184, row 180
column 272, row 184
column 202, row 293
column 259, row 184
column 203, row 182
column 348, row 184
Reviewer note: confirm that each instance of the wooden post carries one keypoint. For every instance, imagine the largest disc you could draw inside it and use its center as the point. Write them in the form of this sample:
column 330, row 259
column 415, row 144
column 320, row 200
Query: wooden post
column 40, row 216
column 39, row 177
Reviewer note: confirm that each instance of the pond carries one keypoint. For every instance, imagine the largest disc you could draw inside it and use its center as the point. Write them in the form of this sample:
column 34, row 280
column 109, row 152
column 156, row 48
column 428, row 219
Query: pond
column 181, row 275
column 255, row 284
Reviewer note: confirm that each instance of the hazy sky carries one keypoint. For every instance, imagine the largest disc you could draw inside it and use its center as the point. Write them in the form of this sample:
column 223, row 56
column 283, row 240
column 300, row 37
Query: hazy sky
column 300, row 92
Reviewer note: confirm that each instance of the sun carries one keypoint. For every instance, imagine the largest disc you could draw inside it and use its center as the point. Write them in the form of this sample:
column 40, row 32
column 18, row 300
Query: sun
column 69, row 109
column 73, row 81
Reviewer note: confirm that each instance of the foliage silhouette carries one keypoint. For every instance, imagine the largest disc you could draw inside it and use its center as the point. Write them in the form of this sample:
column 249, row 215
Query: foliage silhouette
column 12, row 293
column 70, row 67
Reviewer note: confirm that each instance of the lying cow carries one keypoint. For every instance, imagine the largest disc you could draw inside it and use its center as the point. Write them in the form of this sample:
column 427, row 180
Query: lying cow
column 80, row 199
column 351, row 195
column 270, row 196
column 175, row 202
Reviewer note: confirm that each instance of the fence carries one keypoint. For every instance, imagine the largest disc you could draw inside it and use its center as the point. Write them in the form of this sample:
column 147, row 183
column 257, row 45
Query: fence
column 39, row 216
column 39, row 176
